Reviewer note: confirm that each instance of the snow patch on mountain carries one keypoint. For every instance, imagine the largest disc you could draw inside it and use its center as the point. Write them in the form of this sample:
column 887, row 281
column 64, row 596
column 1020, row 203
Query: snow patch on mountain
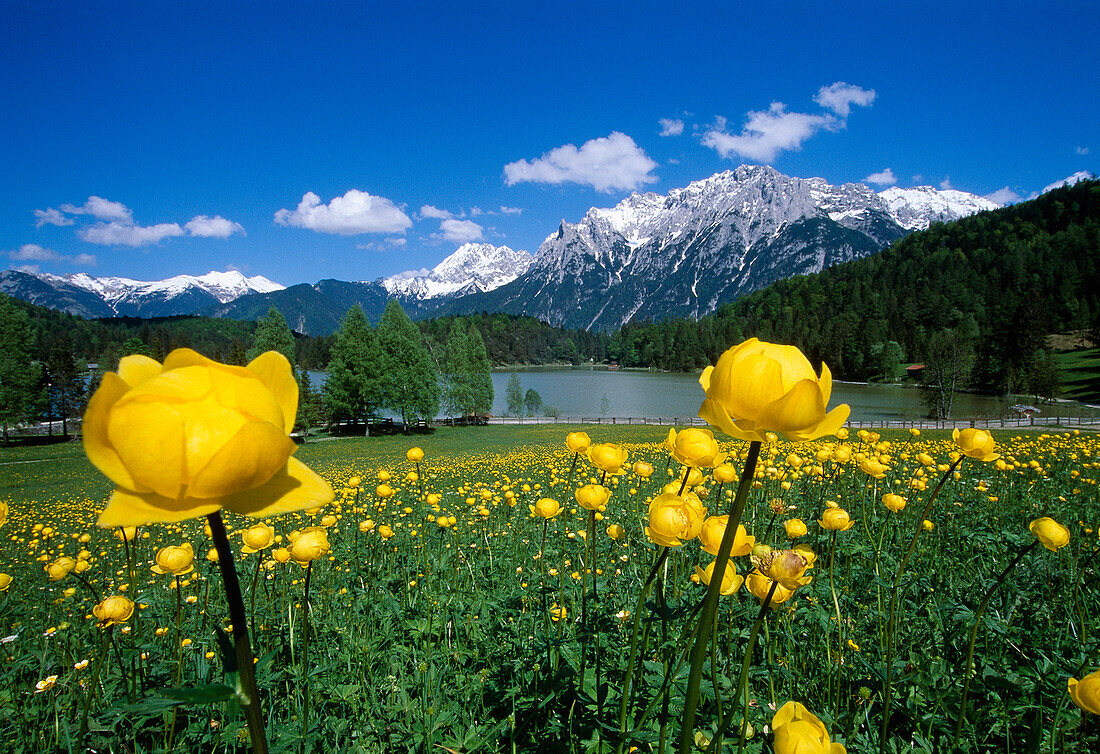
column 223, row 286
column 472, row 267
column 917, row 208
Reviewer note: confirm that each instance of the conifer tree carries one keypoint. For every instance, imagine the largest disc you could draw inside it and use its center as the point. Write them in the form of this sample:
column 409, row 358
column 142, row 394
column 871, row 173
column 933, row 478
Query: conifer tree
column 272, row 334
column 353, row 390
column 18, row 374
column 481, row 381
column 410, row 385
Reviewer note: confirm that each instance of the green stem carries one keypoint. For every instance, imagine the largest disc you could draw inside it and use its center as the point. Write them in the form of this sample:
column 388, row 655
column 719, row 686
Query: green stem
column 710, row 602
column 967, row 668
column 248, row 694
column 891, row 632
column 305, row 654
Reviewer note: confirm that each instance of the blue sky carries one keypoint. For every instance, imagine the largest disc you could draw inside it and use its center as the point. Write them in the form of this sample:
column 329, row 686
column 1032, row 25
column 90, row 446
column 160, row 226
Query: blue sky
column 153, row 139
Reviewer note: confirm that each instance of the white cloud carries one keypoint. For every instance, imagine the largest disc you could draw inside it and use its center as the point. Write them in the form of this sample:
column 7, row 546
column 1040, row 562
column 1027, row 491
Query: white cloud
column 353, row 213
column 945, row 184
column 384, row 245
column 882, row 178
column 51, row 216
column 671, row 126
column 510, row 210
column 434, row 213
column 410, row 274
column 101, row 209
column 461, row 231
column 212, row 227
column 1080, row 175
column 32, row 252
column 395, row 241
column 1081, row 150
column 766, row 133
column 839, row 97
column 1004, row 196
column 125, row 234
column 28, row 268
column 609, row 163
column 476, row 212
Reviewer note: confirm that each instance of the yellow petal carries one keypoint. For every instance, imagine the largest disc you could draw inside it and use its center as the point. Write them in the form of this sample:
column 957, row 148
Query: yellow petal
column 704, row 378
column 825, row 382
column 149, row 439
column 714, row 414
column 127, row 508
column 186, row 357
column 247, row 460
column 96, row 444
column 245, row 393
column 750, row 386
column 293, row 488
column 274, row 371
column 137, row 369
column 798, row 410
column 177, row 385
column 796, row 367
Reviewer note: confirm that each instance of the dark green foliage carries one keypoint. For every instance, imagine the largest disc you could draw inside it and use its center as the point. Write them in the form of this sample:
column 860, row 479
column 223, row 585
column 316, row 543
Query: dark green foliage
column 410, row 378
column 18, row 374
column 354, row 388
column 272, row 334
column 513, row 395
column 533, row 401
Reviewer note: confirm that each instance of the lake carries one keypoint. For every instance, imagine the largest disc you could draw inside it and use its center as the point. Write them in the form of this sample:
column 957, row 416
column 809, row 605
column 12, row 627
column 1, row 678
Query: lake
column 580, row 392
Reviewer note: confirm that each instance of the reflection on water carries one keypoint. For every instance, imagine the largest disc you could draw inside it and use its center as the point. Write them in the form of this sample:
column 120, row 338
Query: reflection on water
column 581, row 393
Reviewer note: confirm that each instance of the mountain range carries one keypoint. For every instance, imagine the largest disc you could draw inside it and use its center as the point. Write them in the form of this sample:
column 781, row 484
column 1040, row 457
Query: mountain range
column 650, row 256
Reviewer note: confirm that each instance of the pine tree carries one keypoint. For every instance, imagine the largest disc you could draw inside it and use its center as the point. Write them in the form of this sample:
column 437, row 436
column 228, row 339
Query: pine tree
column 353, row 390
column 481, row 380
column 455, row 373
column 272, row 334
column 19, row 376
column 513, row 395
column 410, row 385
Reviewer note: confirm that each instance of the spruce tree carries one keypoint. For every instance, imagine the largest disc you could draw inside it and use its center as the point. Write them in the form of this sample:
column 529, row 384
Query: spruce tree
column 455, row 372
column 18, row 374
column 353, row 390
column 410, row 385
column 272, row 334
column 481, row 381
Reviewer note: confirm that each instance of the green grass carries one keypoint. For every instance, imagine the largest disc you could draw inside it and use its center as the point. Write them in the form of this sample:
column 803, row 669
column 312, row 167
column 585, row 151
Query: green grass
column 1080, row 374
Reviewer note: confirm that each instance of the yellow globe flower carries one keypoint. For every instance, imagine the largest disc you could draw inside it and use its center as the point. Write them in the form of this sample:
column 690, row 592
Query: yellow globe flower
column 714, row 528
column 593, row 497
column 731, row 582
column 60, row 568
column 607, row 457
column 896, row 503
column 799, row 732
column 695, row 447
column 354, row 482
column 836, row 519
column 3, row 513
column 190, row 436
column 1051, row 534
column 725, row 473
column 1086, row 692
column 545, row 508
column 976, row 443
column 384, row 491
column 5, row 582
column 674, row 518
column 175, row 560
column 366, row 525
column 759, row 387
column 577, row 442
column 759, row 585
column 788, row 567
column 795, row 528
column 281, row 555
column 257, row 537
column 872, row 468
column 643, row 469
column 113, row 610
column 310, row 544
column 385, row 532
column 616, row 532
column 414, row 455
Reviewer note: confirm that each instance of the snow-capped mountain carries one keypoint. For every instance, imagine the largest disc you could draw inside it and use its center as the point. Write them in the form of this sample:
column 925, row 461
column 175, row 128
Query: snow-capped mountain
column 688, row 252
column 116, row 296
column 917, row 208
column 472, row 267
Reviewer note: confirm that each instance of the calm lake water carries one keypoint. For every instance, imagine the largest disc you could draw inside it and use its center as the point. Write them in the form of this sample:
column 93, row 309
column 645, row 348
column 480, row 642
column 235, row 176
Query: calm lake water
column 581, row 392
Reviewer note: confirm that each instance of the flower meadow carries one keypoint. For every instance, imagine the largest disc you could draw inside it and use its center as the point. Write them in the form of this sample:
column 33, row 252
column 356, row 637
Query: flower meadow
column 515, row 589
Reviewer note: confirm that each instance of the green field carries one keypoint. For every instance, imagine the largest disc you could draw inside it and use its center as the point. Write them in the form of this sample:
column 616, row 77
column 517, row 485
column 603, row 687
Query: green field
column 463, row 638
column 1080, row 372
